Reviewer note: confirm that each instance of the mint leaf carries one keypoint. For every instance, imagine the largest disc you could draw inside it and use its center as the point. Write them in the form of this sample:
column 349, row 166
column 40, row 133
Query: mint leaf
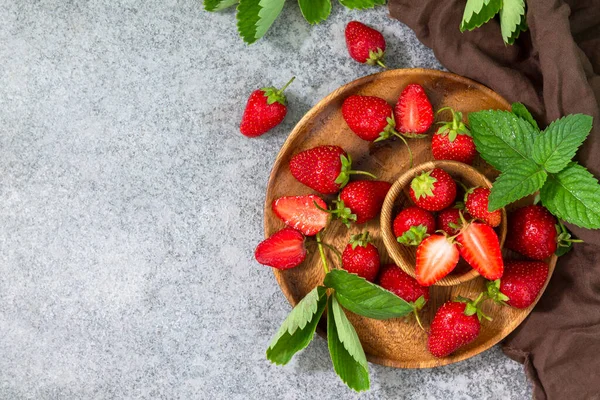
column 501, row 137
column 347, row 355
column 299, row 327
column 315, row 11
column 218, row 5
column 557, row 144
column 365, row 298
column 574, row 196
column 523, row 178
column 521, row 111
column 510, row 18
column 255, row 17
column 361, row 4
column 478, row 12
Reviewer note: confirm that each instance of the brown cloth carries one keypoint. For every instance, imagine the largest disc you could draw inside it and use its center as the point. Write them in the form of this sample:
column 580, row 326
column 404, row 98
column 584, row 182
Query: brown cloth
column 554, row 69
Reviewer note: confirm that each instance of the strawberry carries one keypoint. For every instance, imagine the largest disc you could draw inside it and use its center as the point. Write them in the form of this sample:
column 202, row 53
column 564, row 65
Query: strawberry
column 365, row 44
column 448, row 220
column 361, row 201
column 412, row 225
column 455, row 324
column 480, row 247
column 361, row 257
column 301, row 213
column 532, row 232
column 437, row 256
column 521, row 283
column 433, row 190
column 476, row 204
column 325, row 169
column 265, row 109
column 282, row 250
column 413, row 112
column 453, row 140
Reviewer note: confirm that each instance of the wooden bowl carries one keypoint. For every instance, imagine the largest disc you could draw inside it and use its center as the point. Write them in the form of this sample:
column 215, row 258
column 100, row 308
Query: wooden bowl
column 394, row 342
column 398, row 198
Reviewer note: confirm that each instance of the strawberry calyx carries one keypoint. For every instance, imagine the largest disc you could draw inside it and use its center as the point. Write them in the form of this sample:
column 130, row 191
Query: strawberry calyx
column 452, row 128
column 275, row 95
column 341, row 212
column 564, row 240
column 472, row 307
column 376, row 57
column 413, row 236
column 360, row 239
column 494, row 293
column 344, row 177
column 422, row 185
column 389, row 131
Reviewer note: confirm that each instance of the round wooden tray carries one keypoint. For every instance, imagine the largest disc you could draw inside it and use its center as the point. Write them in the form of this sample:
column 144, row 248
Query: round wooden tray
column 396, row 342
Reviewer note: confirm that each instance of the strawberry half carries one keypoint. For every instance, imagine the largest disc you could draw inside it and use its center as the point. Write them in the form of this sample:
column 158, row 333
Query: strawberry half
column 412, row 225
column 437, row 256
column 365, row 44
column 453, row 140
column 480, row 247
column 476, row 204
column 301, row 213
column 265, row 109
column 282, row 250
column 361, row 201
column 521, row 283
column 433, row 190
column 361, row 257
column 413, row 112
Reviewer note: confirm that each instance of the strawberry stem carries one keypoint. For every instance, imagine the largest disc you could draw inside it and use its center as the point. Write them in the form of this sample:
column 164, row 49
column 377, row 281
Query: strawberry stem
column 362, row 173
column 416, row 312
column 322, row 253
column 381, row 64
column 280, row 91
column 336, row 251
column 410, row 154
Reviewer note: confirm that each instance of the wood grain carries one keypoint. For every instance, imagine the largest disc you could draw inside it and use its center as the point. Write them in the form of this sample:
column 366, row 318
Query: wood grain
column 397, row 342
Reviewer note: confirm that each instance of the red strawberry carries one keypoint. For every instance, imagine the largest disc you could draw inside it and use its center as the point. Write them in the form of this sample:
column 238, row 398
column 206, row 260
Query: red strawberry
column 365, row 44
column 325, row 169
column 394, row 279
column 436, row 257
column 283, row 250
column 454, row 325
column 433, row 190
column 266, row 108
column 476, row 203
column 413, row 112
column 300, row 212
column 412, row 225
column 521, row 283
column 361, row 201
column 370, row 117
column 480, row 247
column 448, row 220
column 532, row 232
column 361, row 257
column 453, row 140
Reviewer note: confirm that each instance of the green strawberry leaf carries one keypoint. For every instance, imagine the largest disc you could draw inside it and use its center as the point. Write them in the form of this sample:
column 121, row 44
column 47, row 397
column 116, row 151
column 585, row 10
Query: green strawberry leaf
column 218, row 5
column 501, row 137
column 573, row 195
column 365, row 298
column 299, row 327
column 255, row 17
column 478, row 12
column 361, row 4
column 510, row 18
column 521, row 28
column 521, row 111
column 315, row 11
column 270, row 10
column 557, row 144
column 522, row 179
column 347, row 355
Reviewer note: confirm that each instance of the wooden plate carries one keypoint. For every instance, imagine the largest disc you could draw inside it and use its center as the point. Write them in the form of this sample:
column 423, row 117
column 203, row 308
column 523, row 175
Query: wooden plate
column 397, row 342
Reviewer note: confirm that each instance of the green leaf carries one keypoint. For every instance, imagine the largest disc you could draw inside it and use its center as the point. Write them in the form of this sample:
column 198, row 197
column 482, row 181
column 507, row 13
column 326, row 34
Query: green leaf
column 270, row 10
column 510, row 18
column 365, row 298
column 315, row 11
column 478, row 12
column 521, row 111
column 522, row 179
column 574, row 196
column 521, row 28
column 218, row 5
column 557, row 144
column 347, row 355
column 501, row 137
column 299, row 327
column 255, row 17
column 361, row 4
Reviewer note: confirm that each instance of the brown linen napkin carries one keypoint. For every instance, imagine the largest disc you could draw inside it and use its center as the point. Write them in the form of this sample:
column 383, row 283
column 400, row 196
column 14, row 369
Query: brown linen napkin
column 554, row 69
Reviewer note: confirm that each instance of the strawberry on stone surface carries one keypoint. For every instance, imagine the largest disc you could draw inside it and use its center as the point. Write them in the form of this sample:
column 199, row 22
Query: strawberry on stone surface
column 413, row 112
column 265, row 109
column 476, row 204
column 433, row 190
column 361, row 257
column 282, row 250
column 301, row 213
column 412, row 225
column 365, row 44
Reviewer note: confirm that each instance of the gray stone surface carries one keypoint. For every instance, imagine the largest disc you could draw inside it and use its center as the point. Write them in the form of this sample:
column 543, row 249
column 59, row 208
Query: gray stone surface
column 131, row 205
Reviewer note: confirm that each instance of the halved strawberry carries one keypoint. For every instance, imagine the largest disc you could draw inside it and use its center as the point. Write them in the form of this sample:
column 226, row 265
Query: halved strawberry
column 480, row 247
column 436, row 257
column 301, row 213
column 413, row 112
column 282, row 250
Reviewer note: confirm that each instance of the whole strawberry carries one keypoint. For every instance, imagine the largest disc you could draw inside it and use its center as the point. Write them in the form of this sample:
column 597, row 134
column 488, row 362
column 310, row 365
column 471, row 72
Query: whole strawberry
column 265, row 109
column 365, row 44
column 453, row 140
column 521, row 283
column 282, row 250
column 433, row 190
column 361, row 201
column 476, row 204
column 412, row 225
column 448, row 220
column 302, row 213
column 370, row 117
column 361, row 257
column 455, row 324
column 413, row 112
column 325, row 169
column 532, row 232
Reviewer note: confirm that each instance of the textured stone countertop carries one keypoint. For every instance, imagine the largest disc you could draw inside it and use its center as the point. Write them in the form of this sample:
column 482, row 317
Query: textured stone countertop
column 131, row 205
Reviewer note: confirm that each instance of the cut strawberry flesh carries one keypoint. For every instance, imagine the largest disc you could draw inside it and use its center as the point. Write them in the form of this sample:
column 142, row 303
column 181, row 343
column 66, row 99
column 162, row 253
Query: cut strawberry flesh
column 300, row 212
column 283, row 250
column 436, row 258
column 480, row 247
column 413, row 112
